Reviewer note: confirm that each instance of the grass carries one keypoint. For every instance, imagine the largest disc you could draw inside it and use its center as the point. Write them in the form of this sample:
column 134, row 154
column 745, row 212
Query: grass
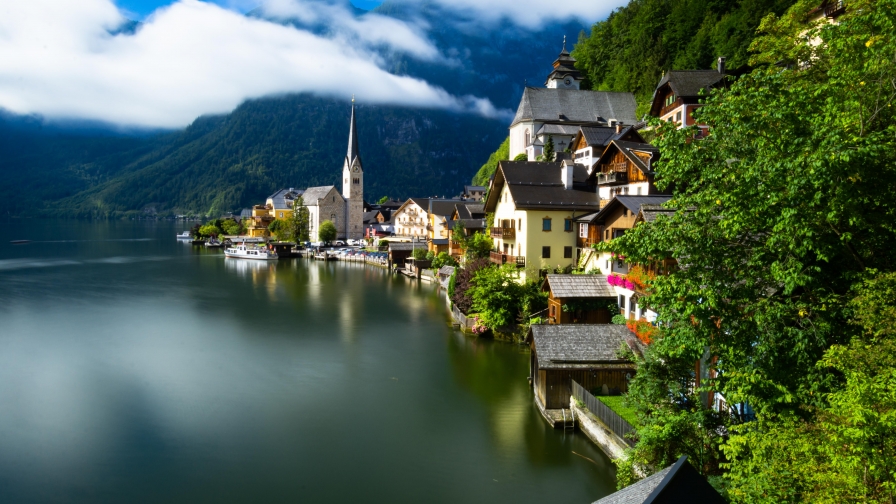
column 615, row 404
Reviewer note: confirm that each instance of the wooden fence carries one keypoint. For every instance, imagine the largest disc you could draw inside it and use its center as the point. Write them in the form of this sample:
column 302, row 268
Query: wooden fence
column 610, row 418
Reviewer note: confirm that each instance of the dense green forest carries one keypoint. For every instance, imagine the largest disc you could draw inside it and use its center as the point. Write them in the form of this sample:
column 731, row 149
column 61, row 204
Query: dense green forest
column 631, row 49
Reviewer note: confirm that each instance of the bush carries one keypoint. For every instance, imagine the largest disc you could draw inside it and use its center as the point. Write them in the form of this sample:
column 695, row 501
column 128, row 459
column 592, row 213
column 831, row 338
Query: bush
column 618, row 319
column 327, row 231
column 464, row 282
column 419, row 254
column 443, row 259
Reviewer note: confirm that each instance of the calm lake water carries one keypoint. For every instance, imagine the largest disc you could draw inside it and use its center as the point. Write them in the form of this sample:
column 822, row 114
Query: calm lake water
column 134, row 368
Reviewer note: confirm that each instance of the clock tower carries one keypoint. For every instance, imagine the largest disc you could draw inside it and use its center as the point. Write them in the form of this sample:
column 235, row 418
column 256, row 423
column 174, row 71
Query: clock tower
column 353, row 184
column 564, row 75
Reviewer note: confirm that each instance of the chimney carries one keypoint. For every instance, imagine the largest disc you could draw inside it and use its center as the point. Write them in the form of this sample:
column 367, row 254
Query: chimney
column 618, row 128
column 566, row 174
column 721, row 65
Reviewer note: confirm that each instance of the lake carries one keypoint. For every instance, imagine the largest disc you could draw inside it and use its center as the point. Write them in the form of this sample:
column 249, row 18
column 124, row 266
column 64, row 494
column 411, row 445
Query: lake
column 134, row 368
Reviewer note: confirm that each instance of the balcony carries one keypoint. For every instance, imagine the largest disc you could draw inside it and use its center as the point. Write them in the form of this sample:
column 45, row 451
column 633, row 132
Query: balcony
column 501, row 258
column 612, row 178
column 503, row 233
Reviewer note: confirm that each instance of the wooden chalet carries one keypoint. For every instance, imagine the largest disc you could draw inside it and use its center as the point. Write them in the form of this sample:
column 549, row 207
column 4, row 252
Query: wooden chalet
column 625, row 168
column 579, row 299
column 584, row 353
column 678, row 93
column 591, row 141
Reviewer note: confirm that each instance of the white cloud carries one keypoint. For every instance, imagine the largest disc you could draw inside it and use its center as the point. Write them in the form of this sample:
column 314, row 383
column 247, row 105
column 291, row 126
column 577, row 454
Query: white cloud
column 193, row 58
column 531, row 13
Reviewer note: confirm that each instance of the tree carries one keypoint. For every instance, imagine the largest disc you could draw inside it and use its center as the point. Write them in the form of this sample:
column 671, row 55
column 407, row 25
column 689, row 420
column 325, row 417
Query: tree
column 443, row 259
column 488, row 169
column 384, row 199
column 500, row 299
column 279, row 229
column 522, row 156
column 209, row 230
column 419, row 253
column 327, row 231
column 300, row 222
column 548, row 152
column 784, row 212
column 230, row 227
column 478, row 246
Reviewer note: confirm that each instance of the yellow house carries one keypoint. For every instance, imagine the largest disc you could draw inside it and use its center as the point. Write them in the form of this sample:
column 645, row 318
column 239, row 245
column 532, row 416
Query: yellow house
column 535, row 206
column 281, row 202
column 257, row 226
column 439, row 221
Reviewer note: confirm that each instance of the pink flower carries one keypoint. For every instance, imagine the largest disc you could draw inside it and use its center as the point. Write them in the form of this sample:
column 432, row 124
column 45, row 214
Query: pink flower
column 629, row 285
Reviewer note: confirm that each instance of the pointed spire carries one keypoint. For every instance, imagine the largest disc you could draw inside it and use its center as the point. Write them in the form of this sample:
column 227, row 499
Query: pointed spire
column 564, row 43
column 352, row 138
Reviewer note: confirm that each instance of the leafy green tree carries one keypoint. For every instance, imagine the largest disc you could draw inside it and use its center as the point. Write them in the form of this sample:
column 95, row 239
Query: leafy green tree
column 488, row 169
column 279, row 229
column 443, row 259
column 419, row 253
column 209, row 230
column 327, row 231
column 522, row 156
column 230, row 227
column 499, row 298
column 478, row 246
column 784, row 212
column 384, row 199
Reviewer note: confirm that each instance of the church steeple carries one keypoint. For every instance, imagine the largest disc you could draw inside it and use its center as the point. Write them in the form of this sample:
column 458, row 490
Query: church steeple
column 352, row 140
column 564, row 75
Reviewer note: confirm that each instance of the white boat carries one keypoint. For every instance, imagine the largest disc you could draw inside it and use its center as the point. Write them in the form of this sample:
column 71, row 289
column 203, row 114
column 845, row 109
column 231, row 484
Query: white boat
column 184, row 236
column 214, row 243
column 242, row 251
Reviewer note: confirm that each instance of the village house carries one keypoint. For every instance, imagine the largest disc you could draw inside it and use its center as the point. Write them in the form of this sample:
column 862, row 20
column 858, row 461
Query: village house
column 410, row 219
column 438, row 215
column 560, row 108
column 535, row 206
column 579, row 299
column 590, row 142
column 473, row 193
column 678, row 94
column 471, row 217
column 585, row 353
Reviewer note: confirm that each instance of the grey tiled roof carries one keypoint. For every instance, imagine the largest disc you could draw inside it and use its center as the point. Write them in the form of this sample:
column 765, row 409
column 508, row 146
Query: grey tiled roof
column 547, row 105
column 602, row 135
column 538, row 185
column 578, row 345
column 285, row 197
column 628, row 149
column 446, row 270
column 405, row 245
column 688, row 83
column 441, row 207
column 473, row 188
column 579, row 286
column 638, row 492
column 558, row 129
column 469, row 223
column 650, row 212
column 370, row 217
column 314, row 194
column 633, row 203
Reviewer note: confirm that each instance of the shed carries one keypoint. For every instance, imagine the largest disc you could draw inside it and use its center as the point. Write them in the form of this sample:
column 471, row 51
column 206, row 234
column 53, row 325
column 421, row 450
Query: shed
column 399, row 252
column 588, row 299
column 677, row 484
column 585, row 353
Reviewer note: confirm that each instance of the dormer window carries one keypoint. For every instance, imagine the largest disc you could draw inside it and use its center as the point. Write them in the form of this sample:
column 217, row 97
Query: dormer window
column 670, row 99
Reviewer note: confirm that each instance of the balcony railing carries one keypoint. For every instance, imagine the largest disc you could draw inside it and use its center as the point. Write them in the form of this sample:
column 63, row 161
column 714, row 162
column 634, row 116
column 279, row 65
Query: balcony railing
column 501, row 258
column 504, row 233
column 613, row 177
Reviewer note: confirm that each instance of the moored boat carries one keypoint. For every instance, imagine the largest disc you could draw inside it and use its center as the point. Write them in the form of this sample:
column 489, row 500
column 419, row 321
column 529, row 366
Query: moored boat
column 184, row 236
column 241, row 251
column 214, row 243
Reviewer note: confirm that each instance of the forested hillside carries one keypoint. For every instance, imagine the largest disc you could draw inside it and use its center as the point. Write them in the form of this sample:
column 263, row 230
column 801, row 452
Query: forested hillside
column 631, row 49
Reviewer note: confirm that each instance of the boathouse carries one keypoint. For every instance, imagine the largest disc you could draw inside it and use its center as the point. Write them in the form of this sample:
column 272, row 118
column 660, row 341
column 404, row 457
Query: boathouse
column 579, row 299
column 586, row 353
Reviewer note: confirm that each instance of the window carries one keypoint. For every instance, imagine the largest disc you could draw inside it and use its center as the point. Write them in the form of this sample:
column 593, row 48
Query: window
column 670, row 99
column 546, row 224
column 546, row 252
column 583, row 230
column 567, row 225
column 281, row 215
column 356, row 180
column 519, row 224
column 527, row 138
column 567, row 252
column 607, row 234
column 678, row 117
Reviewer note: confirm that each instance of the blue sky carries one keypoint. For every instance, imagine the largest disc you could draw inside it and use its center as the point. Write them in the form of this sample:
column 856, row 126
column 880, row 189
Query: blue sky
column 142, row 8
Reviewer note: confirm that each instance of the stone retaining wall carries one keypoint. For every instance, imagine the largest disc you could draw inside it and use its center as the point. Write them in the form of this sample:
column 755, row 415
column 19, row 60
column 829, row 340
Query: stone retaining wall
column 598, row 432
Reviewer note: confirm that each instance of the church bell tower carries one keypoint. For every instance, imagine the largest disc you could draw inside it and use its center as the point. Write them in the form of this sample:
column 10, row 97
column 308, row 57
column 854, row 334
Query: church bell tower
column 353, row 184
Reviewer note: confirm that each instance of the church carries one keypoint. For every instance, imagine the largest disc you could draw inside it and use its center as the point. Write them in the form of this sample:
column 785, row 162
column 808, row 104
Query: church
column 558, row 109
column 325, row 203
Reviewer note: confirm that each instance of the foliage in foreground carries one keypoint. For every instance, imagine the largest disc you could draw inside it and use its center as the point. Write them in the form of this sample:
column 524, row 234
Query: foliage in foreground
column 786, row 218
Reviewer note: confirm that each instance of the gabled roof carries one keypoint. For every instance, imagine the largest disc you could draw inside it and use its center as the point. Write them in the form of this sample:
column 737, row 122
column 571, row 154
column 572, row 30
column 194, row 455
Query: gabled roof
column 686, row 84
column 370, row 217
column 423, row 203
column 443, row 208
column 578, row 286
column 631, row 202
column 284, row 198
column 564, row 346
column 405, row 245
column 469, row 223
column 564, row 65
column 678, row 483
column 600, row 136
column 649, row 213
column 473, row 188
column 629, row 149
column 547, row 105
column 313, row 194
column 536, row 185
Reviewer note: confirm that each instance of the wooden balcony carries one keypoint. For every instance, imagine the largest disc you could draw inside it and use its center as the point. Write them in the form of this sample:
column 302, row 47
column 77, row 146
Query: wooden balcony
column 503, row 233
column 501, row 258
column 612, row 178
